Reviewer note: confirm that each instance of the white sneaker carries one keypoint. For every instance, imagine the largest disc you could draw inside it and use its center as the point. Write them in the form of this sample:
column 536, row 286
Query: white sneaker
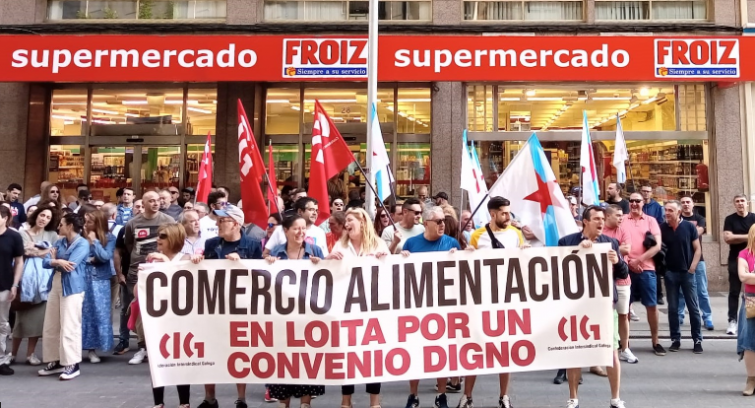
column 572, row 403
column 465, row 402
column 33, row 360
column 93, row 357
column 617, row 404
column 139, row 357
column 633, row 316
column 628, row 356
column 504, row 402
column 732, row 330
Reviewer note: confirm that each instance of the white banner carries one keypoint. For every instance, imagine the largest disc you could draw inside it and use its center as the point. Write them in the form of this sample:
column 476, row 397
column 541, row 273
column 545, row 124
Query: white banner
column 428, row 315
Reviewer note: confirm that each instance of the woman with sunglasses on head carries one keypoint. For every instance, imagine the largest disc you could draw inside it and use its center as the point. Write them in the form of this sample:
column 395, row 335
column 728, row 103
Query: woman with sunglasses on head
column 382, row 221
column 97, row 327
column 170, row 242
column 336, row 221
column 31, row 318
column 295, row 247
column 62, row 329
column 359, row 239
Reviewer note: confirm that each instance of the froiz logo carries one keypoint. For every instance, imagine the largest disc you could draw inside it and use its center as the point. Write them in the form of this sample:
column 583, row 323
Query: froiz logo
column 177, row 346
column 582, row 327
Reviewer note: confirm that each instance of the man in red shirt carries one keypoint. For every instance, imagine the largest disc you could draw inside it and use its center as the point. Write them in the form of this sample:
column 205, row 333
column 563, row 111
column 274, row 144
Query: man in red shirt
column 641, row 265
column 613, row 229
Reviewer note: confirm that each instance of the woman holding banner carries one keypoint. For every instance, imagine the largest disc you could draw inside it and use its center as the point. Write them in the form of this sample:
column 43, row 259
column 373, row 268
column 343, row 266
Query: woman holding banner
column 170, row 242
column 359, row 240
column 295, row 247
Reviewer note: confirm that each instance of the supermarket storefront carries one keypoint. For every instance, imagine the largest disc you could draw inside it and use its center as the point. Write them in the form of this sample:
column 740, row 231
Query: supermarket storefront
column 135, row 110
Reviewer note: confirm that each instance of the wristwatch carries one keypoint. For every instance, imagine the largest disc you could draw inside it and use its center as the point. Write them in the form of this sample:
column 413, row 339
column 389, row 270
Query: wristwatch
column 15, row 286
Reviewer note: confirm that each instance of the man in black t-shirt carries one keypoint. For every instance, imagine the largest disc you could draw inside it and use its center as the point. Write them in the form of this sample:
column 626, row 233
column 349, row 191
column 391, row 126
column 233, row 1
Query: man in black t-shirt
column 11, row 269
column 736, row 228
column 701, row 277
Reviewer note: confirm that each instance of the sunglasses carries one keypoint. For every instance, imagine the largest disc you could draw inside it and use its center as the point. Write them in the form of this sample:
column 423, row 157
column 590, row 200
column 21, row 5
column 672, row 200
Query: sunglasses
column 163, row 236
column 271, row 225
column 383, row 215
column 54, row 191
column 438, row 221
column 415, row 212
column 636, row 201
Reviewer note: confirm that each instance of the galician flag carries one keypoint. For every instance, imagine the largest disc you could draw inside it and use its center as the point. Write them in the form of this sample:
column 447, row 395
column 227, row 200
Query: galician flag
column 381, row 164
column 620, row 154
column 536, row 198
column 590, row 190
column 473, row 181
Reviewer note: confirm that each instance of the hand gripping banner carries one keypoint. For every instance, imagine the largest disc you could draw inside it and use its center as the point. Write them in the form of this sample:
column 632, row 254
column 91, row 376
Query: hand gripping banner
column 427, row 315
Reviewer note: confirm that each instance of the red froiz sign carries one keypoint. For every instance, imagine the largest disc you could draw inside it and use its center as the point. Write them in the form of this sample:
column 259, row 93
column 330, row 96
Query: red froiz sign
column 305, row 58
column 697, row 58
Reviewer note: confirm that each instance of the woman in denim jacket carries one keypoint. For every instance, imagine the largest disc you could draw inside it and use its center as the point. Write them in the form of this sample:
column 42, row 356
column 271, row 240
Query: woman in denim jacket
column 97, row 327
column 61, row 336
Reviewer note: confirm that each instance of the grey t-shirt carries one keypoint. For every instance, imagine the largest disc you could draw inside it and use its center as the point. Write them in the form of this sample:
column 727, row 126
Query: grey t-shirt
column 140, row 238
column 405, row 234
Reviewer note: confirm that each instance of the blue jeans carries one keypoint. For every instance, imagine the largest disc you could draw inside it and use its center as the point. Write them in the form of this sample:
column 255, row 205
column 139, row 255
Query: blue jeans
column 126, row 298
column 685, row 281
column 701, row 279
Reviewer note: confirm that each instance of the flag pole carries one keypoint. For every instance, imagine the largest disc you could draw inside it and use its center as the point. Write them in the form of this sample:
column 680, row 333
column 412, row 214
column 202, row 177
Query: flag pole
column 270, row 185
column 372, row 188
column 475, row 211
column 372, row 49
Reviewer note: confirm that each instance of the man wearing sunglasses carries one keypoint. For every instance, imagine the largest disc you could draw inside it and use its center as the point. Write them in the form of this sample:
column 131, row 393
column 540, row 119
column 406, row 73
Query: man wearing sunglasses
column 408, row 227
column 641, row 265
column 432, row 240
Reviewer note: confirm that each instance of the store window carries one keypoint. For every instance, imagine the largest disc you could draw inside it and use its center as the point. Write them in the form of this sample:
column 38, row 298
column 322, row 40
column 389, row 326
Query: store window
column 413, row 110
column 534, row 10
column 282, row 107
column 201, row 110
column 642, row 108
column 674, row 168
column 111, row 168
column 404, row 114
column 346, row 10
column 136, row 10
column 116, row 111
column 160, row 167
column 66, row 164
column 666, row 10
column 69, row 112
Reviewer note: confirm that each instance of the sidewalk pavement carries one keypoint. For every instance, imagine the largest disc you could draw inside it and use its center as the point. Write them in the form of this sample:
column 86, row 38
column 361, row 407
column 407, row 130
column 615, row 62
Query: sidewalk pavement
column 718, row 304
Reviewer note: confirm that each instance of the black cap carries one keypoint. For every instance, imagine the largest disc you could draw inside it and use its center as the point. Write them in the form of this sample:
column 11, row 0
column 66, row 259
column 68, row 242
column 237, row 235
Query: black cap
column 441, row 195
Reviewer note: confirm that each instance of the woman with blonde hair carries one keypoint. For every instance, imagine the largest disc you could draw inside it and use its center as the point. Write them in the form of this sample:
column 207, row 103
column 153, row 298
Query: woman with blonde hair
column 359, row 239
column 746, row 326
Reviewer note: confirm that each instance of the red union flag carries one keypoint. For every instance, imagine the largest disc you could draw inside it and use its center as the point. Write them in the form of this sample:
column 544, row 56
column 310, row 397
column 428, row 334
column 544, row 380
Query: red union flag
column 330, row 155
column 205, row 172
column 251, row 169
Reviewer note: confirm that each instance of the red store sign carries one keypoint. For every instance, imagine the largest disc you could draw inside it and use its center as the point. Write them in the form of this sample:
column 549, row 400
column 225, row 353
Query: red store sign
column 214, row 58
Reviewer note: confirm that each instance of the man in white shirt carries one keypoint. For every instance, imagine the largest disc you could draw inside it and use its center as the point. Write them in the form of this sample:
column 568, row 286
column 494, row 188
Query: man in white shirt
column 408, row 227
column 208, row 225
column 308, row 208
column 499, row 233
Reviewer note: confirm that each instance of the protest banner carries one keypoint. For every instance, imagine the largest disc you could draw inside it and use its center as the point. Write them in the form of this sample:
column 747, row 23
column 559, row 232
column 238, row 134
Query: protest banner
column 427, row 315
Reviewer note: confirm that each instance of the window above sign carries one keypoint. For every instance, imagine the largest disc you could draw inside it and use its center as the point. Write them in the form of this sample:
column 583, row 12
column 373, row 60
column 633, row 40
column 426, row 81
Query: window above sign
column 148, row 10
column 656, row 10
column 324, row 11
column 526, row 10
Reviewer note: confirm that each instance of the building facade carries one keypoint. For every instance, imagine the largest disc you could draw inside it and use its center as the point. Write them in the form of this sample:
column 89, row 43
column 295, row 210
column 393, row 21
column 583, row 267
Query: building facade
column 123, row 93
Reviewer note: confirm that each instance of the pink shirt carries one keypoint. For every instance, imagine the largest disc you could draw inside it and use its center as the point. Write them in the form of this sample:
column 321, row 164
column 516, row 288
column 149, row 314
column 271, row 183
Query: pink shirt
column 747, row 256
column 621, row 235
column 637, row 227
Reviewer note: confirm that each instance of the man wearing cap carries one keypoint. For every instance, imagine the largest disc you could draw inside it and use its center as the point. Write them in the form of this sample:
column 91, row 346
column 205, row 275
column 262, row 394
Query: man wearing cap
column 231, row 244
column 441, row 198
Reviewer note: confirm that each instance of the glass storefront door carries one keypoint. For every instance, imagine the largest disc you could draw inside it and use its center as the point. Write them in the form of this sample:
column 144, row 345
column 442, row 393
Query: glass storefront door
column 141, row 168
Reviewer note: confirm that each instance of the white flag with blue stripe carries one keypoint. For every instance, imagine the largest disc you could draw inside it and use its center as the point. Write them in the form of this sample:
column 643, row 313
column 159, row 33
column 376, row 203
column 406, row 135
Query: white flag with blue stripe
column 381, row 164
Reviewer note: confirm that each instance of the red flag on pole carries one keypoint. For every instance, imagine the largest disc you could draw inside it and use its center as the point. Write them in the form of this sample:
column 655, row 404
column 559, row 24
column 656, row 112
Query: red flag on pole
column 330, row 155
column 272, row 191
column 251, row 169
column 205, row 172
